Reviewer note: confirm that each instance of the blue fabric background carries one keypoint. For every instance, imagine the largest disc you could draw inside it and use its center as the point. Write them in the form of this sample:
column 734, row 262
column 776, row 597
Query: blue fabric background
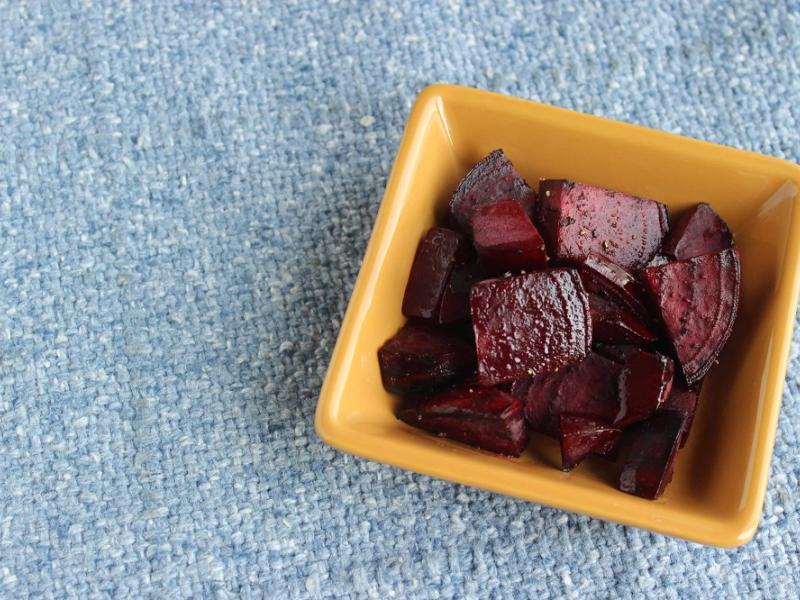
column 186, row 189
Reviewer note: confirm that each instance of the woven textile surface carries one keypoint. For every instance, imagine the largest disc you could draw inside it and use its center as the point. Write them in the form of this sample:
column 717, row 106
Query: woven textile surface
column 186, row 190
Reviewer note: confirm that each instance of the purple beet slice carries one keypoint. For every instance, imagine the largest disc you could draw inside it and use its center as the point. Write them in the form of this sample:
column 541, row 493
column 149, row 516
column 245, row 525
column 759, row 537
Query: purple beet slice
column 698, row 299
column 488, row 418
column 700, row 230
column 493, row 178
column 529, row 324
column 644, row 385
column 649, row 462
column 454, row 305
column 419, row 358
column 437, row 253
column 612, row 324
column 603, row 277
column 589, row 388
column 683, row 400
column 580, row 436
column 506, row 238
column 576, row 219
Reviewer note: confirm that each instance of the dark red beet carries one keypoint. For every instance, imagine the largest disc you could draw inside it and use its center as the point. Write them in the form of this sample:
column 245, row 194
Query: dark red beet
column 589, row 388
column 615, row 353
column 454, row 305
column 644, row 386
column 613, row 324
column 529, row 324
column 419, row 358
column 683, row 400
column 580, row 436
column 576, row 219
column 602, row 277
column 700, row 230
column 484, row 417
column 608, row 450
column 651, row 455
column 438, row 252
column 506, row 238
column 698, row 299
column 493, row 178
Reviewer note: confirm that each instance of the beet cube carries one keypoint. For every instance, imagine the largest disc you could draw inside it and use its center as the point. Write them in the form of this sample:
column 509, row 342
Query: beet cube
column 615, row 353
column 529, row 324
column 576, row 219
column 454, row 305
column 581, row 436
column 649, row 462
column 487, row 418
column 589, row 388
column 613, row 324
column 698, row 299
column 506, row 238
column 419, row 358
column 644, row 385
column 603, row 277
column 683, row 400
column 493, row 178
column 438, row 252
column 699, row 231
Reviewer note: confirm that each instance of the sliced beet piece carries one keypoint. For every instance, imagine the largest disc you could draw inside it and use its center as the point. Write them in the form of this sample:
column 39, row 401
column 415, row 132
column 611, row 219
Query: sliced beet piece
column 493, row 178
column 437, row 253
column 506, row 238
column 615, row 353
column 658, row 260
column 576, row 219
column 580, row 436
column 650, row 459
column 698, row 299
column 683, row 400
column 419, row 358
column 488, row 418
column 608, row 450
column 454, row 305
column 589, row 388
column 603, row 277
column 644, row 385
column 529, row 324
column 700, row 230
column 613, row 324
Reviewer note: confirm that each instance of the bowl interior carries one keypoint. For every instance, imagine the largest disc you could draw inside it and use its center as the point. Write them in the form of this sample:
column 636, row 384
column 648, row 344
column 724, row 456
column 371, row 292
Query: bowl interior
column 718, row 473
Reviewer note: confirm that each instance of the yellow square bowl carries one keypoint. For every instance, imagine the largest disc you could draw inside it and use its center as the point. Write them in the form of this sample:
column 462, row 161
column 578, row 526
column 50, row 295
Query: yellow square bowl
column 720, row 477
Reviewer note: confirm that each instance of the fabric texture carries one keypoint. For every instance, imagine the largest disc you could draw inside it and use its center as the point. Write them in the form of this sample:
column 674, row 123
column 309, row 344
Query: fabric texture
column 186, row 190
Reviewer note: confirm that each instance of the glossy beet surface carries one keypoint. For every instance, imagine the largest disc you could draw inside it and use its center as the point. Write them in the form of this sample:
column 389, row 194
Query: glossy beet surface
column 644, row 385
column 506, row 238
column 580, row 436
column 651, row 455
column 576, row 219
column 484, row 417
column 612, row 324
column 606, row 279
column 438, row 252
column 589, row 388
column 529, row 324
column 698, row 299
column 683, row 400
column 420, row 358
column 493, row 178
column 700, row 230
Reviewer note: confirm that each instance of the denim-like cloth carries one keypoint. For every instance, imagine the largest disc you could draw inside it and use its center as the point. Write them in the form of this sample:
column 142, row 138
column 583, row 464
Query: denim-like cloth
column 186, row 190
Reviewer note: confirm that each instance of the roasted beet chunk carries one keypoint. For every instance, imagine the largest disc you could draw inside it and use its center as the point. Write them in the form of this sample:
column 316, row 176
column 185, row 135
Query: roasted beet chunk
column 419, row 358
column 606, row 279
column 613, row 324
column 438, row 252
column 644, row 386
column 506, row 238
column 576, row 219
column 683, row 400
column 581, row 436
column 493, row 178
column 699, row 231
column 615, row 352
column 484, row 417
column 455, row 299
column 589, row 388
column 698, row 299
column 529, row 324
column 650, row 458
